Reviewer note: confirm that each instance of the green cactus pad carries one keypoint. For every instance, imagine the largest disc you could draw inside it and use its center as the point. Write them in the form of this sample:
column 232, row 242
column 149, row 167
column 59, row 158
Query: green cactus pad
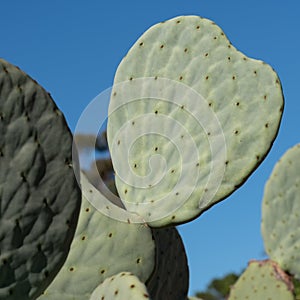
column 101, row 248
column 262, row 280
column 190, row 118
column 122, row 286
column 39, row 194
column 170, row 279
column 281, row 212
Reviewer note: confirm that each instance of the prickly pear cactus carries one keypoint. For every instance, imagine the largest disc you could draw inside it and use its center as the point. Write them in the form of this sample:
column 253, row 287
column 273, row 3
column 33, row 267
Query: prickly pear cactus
column 190, row 119
column 262, row 280
column 281, row 212
column 170, row 279
column 38, row 210
column 101, row 248
column 122, row 286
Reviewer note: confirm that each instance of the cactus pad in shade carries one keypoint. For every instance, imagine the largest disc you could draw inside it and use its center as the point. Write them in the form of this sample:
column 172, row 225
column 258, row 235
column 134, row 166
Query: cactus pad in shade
column 262, row 280
column 38, row 209
column 122, row 286
column 102, row 247
column 190, row 118
column 170, row 279
column 281, row 212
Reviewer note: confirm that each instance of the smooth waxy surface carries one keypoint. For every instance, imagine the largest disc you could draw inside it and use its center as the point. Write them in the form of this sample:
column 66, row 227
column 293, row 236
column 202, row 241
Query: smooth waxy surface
column 203, row 112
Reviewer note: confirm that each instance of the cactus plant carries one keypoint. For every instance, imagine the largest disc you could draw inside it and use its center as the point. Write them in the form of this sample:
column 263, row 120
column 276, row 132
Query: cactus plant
column 124, row 285
column 280, row 230
column 184, row 93
column 262, row 280
column 183, row 98
column 38, row 210
column 101, row 248
column 280, row 213
column 159, row 260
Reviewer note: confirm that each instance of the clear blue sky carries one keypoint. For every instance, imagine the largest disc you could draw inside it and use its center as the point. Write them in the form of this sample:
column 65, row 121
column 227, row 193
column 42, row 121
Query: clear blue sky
column 72, row 48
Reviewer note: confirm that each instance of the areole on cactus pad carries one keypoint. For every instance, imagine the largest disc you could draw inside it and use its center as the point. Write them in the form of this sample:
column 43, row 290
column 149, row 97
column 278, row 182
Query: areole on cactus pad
column 190, row 119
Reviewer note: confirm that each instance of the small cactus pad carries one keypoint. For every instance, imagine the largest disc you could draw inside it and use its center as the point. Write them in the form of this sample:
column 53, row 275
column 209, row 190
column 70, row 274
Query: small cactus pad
column 170, row 279
column 262, row 280
column 102, row 247
column 281, row 212
column 190, row 118
column 122, row 286
column 39, row 194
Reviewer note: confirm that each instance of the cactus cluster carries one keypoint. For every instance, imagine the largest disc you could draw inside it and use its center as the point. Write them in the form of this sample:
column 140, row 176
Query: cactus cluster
column 190, row 119
column 280, row 230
